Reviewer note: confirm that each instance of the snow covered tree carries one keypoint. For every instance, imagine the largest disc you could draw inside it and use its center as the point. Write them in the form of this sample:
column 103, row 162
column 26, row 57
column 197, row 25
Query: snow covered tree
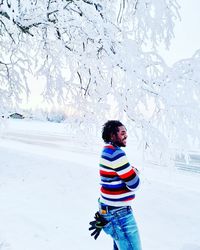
column 94, row 57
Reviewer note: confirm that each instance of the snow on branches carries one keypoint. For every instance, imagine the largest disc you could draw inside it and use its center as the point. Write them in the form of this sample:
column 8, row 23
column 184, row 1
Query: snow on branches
column 93, row 57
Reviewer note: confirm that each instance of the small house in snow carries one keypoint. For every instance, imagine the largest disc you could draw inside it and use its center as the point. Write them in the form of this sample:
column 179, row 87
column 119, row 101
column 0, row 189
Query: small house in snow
column 16, row 116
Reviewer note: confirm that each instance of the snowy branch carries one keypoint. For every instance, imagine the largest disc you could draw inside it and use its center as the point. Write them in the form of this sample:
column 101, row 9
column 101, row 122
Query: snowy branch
column 91, row 54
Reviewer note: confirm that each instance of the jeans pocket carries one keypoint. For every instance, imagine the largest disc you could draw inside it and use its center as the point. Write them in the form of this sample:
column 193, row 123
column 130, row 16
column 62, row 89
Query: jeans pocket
column 108, row 228
column 111, row 230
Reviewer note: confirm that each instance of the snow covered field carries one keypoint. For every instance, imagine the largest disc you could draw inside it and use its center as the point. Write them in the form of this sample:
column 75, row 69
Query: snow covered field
column 49, row 190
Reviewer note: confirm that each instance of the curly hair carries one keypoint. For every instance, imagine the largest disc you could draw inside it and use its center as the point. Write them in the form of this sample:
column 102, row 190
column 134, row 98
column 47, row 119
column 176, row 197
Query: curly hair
column 109, row 128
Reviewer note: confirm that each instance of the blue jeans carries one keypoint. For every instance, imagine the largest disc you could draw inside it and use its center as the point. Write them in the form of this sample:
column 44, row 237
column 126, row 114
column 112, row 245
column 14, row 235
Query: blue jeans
column 122, row 228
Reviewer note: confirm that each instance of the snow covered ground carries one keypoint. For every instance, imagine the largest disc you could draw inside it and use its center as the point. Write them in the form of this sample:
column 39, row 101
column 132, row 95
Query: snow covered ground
column 49, row 188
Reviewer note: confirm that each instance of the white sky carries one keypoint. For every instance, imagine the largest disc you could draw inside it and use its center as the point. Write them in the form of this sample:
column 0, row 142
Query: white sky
column 187, row 33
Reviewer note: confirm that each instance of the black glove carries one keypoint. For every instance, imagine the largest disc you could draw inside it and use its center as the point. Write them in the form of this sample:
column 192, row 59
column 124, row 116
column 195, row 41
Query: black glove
column 97, row 225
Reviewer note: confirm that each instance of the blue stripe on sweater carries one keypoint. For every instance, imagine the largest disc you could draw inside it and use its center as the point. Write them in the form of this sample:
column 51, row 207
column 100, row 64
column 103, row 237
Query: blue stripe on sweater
column 115, row 154
column 133, row 184
column 111, row 158
column 117, row 186
column 108, row 179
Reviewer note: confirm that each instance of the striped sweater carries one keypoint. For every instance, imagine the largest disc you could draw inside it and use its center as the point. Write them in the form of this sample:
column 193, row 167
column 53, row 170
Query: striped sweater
column 118, row 179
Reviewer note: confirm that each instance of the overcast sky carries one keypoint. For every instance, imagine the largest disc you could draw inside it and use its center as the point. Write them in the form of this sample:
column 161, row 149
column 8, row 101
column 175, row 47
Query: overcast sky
column 187, row 33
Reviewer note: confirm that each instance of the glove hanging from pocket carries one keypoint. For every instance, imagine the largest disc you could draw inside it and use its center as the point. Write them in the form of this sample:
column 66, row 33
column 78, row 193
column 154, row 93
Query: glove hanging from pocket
column 97, row 225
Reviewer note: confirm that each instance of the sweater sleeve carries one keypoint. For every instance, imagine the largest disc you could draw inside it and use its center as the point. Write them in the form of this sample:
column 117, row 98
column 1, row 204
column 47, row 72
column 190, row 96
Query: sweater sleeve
column 125, row 171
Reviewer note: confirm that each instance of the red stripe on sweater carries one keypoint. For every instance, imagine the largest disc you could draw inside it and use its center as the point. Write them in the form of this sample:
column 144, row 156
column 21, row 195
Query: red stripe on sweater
column 123, row 191
column 109, row 146
column 104, row 173
column 130, row 199
column 128, row 174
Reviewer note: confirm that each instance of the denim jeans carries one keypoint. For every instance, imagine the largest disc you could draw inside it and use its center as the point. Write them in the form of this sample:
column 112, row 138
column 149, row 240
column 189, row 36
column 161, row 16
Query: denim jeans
column 122, row 228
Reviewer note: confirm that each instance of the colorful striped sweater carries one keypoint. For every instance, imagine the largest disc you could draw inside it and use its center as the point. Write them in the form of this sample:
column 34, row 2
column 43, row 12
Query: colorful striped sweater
column 118, row 179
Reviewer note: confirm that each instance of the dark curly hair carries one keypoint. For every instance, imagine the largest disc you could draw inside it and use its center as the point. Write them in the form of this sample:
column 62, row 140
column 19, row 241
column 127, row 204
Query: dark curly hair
column 109, row 128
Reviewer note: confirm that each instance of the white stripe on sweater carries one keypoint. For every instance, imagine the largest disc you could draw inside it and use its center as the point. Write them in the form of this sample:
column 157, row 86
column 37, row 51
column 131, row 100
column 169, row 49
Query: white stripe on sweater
column 113, row 183
column 117, row 196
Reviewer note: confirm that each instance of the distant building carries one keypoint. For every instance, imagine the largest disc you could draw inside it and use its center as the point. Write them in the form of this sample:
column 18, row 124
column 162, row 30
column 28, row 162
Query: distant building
column 16, row 116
